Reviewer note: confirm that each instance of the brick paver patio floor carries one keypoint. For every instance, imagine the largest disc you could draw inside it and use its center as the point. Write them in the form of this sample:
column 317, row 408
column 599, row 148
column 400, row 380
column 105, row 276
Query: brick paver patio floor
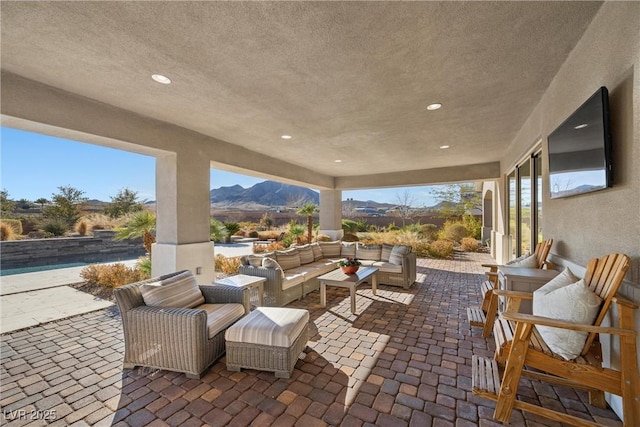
column 402, row 360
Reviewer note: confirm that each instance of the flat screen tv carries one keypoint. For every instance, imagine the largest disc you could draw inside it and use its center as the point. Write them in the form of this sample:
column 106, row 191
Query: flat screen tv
column 580, row 150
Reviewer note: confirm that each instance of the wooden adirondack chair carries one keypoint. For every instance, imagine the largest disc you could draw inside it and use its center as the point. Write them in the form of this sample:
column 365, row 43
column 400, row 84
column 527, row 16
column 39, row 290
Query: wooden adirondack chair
column 485, row 315
column 520, row 345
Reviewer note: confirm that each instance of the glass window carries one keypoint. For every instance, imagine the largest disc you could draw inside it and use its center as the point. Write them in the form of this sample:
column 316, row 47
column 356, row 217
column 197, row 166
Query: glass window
column 537, row 163
column 524, row 178
column 513, row 219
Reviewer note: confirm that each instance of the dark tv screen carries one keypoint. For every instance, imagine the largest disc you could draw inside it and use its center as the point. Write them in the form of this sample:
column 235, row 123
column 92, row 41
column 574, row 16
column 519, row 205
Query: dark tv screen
column 580, row 150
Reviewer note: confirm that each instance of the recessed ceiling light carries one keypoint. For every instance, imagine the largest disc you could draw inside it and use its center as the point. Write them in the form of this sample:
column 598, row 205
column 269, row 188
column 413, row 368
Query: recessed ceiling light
column 582, row 126
column 338, row 161
column 161, row 79
column 286, row 137
column 435, row 106
column 444, row 147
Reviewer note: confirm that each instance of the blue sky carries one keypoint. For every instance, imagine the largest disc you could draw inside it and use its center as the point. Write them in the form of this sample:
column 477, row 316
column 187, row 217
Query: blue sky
column 35, row 165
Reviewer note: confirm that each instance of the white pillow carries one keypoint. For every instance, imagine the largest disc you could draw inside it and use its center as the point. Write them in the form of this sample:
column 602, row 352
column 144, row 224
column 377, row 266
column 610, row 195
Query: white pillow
column 181, row 290
column 520, row 258
column 528, row 262
column 564, row 299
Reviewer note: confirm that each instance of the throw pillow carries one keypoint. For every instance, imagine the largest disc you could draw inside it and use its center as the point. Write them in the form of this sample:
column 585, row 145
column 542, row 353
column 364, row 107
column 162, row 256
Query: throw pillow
column 268, row 262
column 573, row 302
column 288, row 259
column 528, row 262
column 181, row 290
column 398, row 253
column 369, row 252
column 306, row 254
column 386, row 252
column 331, row 249
column 317, row 251
column 348, row 249
column 520, row 258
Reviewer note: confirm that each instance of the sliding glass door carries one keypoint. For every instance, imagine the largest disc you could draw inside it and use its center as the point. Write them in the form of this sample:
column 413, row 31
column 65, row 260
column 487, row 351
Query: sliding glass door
column 524, row 185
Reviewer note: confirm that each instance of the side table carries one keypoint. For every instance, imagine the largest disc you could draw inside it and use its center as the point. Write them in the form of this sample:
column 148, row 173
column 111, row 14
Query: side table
column 523, row 280
column 246, row 281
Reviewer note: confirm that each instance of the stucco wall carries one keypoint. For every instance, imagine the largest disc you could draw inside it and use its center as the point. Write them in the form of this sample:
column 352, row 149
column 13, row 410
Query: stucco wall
column 603, row 222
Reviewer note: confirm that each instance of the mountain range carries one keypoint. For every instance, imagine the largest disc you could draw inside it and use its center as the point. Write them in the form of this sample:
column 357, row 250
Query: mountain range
column 266, row 193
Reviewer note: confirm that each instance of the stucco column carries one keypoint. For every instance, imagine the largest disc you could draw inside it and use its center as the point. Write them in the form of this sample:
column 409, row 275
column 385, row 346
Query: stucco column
column 183, row 210
column 331, row 213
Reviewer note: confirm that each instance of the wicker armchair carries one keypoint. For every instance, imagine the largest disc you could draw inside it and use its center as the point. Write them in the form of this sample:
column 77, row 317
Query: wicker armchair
column 174, row 339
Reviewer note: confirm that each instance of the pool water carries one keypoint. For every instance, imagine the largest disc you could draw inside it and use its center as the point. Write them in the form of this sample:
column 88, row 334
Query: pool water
column 9, row 272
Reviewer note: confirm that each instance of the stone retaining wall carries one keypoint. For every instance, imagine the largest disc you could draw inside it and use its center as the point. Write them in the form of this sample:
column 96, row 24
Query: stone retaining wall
column 101, row 247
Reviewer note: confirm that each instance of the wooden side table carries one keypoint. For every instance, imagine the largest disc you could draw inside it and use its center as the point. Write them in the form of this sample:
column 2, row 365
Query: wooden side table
column 523, row 280
column 246, row 281
column 351, row 282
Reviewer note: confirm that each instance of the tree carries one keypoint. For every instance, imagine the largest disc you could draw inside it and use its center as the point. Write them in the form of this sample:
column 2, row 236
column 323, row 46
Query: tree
column 296, row 230
column 140, row 224
column 41, row 201
column 309, row 209
column 6, row 205
column 24, row 204
column 126, row 201
column 456, row 200
column 65, row 205
column 404, row 201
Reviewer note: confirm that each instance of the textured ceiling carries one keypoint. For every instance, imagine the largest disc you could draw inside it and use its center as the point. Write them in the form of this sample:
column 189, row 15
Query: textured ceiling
column 337, row 76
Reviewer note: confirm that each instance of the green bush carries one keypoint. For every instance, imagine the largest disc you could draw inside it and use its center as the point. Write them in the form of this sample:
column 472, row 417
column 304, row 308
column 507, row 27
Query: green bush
column 144, row 264
column 441, row 249
column 469, row 244
column 473, row 225
column 217, row 230
column 349, row 226
column 453, row 231
column 232, row 228
column 55, row 227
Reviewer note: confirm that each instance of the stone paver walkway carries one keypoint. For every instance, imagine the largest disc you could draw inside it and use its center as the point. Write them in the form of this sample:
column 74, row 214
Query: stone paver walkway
column 402, row 360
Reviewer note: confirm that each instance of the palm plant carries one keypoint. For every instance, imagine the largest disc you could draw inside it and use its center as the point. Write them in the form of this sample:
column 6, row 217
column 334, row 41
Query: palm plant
column 217, row 230
column 296, row 231
column 140, row 224
column 309, row 209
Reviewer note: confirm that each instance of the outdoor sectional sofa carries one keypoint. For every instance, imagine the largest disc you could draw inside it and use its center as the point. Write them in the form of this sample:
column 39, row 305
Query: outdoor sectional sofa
column 291, row 274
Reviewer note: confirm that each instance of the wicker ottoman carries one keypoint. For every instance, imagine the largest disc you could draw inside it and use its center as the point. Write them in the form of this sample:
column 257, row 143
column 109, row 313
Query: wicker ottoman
column 268, row 339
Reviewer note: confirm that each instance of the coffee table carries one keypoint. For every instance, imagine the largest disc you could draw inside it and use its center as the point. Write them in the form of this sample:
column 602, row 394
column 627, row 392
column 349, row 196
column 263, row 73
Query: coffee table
column 349, row 281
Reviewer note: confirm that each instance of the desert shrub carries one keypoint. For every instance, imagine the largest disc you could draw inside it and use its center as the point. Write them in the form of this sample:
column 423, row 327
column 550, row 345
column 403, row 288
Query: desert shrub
column 241, row 233
column 144, row 264
column 392, row 227
column 253, row 234
column 232, row 228
column 440, row 249
column 82, row 227
column 453, row 231
column 362, row 225
column 348, row 237
column 273, row 246
column 349, row 226
column 469, row 244
column 429, row 231
column 227, row 265
column 112, row 275
column 98, row 221
column 323, row 238
column 55, row 227
column 30, row 224
column 6, row 232
column 15, row 224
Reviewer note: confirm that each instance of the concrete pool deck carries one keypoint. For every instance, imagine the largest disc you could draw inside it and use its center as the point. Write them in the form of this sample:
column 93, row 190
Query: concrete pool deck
column 31, row 299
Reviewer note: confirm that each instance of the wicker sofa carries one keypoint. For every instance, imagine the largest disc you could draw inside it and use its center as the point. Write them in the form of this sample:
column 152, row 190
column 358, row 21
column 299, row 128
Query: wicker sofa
column 168, row 333
column 293, row 273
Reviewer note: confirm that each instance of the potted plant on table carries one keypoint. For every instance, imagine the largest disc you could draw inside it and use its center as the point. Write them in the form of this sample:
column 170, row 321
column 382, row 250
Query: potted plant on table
column 349, row 265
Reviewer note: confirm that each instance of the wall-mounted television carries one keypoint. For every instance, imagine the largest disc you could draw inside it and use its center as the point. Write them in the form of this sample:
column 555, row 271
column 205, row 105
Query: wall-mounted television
column 580, row 150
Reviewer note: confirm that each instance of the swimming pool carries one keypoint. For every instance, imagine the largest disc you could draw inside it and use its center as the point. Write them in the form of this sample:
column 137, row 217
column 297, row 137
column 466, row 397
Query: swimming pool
column 10, row 271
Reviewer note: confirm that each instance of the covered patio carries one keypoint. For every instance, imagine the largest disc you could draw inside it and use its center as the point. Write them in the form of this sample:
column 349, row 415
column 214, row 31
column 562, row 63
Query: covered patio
column 403, row 359
column 285, row 91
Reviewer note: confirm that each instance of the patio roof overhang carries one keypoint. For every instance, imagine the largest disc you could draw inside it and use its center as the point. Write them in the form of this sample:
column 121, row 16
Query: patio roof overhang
column 338, row 77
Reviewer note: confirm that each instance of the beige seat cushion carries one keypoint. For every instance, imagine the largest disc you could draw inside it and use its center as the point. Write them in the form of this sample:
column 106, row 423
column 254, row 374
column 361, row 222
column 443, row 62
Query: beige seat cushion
column 221, row 316
column 387, row 267
column 271, row 326
column 181, row 290
column 291, row 279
